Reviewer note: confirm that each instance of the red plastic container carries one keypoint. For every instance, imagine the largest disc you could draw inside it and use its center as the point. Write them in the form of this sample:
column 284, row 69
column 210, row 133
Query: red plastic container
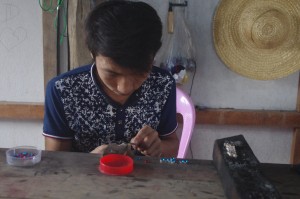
column 116, row 164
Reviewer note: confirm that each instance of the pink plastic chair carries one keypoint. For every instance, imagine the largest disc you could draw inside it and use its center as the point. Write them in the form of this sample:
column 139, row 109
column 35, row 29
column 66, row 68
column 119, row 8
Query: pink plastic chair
column 185, row 107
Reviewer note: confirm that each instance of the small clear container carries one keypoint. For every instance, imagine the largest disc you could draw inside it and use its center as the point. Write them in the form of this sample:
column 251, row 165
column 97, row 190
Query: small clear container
column 23, row 156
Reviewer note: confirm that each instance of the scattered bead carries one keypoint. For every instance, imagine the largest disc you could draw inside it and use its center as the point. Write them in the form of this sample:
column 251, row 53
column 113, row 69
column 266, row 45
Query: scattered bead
column 183, row 161
column 165, row 160
column 173, row 161
column 138, row 158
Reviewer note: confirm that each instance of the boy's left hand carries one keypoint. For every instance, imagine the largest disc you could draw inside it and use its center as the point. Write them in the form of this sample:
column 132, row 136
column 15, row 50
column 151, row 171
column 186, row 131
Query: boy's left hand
column 147, row 142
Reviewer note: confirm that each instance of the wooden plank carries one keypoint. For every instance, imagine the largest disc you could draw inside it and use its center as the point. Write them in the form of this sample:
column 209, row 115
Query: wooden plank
column 28, row 111
column 19, row 110
column 49, row 45
column 76, row 175
column 248, row 117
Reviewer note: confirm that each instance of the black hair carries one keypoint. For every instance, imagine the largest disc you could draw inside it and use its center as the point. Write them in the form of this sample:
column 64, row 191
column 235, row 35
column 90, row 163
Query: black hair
column 128, row 32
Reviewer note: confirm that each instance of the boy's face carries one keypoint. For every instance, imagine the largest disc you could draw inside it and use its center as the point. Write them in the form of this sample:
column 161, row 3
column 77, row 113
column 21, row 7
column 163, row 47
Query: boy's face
column 119, row 83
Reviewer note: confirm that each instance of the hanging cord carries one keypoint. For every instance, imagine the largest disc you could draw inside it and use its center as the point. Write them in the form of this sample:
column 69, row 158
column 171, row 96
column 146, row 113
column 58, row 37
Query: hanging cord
column 51, row 9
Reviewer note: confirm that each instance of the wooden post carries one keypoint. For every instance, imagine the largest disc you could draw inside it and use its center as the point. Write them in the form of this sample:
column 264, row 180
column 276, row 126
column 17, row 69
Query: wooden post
column 295, row 149
column 49, row 45
column 78, row 52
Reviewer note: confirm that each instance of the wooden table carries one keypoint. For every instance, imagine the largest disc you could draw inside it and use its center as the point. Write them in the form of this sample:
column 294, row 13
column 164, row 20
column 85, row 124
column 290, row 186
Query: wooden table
column 76, row 175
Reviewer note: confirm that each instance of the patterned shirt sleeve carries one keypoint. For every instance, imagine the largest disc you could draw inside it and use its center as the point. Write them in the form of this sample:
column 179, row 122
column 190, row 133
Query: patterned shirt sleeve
column 55, row 124
column 168, row 123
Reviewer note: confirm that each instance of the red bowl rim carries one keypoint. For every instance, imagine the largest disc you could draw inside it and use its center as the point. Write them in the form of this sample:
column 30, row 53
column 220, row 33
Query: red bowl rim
column 124, row 169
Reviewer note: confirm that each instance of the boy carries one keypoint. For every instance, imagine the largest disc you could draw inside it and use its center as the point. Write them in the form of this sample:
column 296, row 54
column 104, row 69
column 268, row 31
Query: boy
column 121, row 98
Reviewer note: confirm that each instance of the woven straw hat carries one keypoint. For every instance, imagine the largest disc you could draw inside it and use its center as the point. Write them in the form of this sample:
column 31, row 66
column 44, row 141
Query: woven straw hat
column 258, row 39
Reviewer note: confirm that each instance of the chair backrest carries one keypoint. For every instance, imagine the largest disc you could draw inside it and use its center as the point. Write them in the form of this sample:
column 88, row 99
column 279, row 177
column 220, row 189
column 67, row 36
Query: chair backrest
column 185, row 107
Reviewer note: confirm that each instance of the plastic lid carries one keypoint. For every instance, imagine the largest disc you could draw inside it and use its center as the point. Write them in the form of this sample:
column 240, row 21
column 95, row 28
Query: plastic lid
column 116, row 164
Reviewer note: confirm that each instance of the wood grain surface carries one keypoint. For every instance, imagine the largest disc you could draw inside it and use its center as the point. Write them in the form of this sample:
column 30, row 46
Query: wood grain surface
column 76, row 175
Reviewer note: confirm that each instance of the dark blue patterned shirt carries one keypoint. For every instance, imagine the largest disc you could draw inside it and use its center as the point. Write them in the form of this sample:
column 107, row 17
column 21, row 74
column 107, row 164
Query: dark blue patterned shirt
column 77, row 108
